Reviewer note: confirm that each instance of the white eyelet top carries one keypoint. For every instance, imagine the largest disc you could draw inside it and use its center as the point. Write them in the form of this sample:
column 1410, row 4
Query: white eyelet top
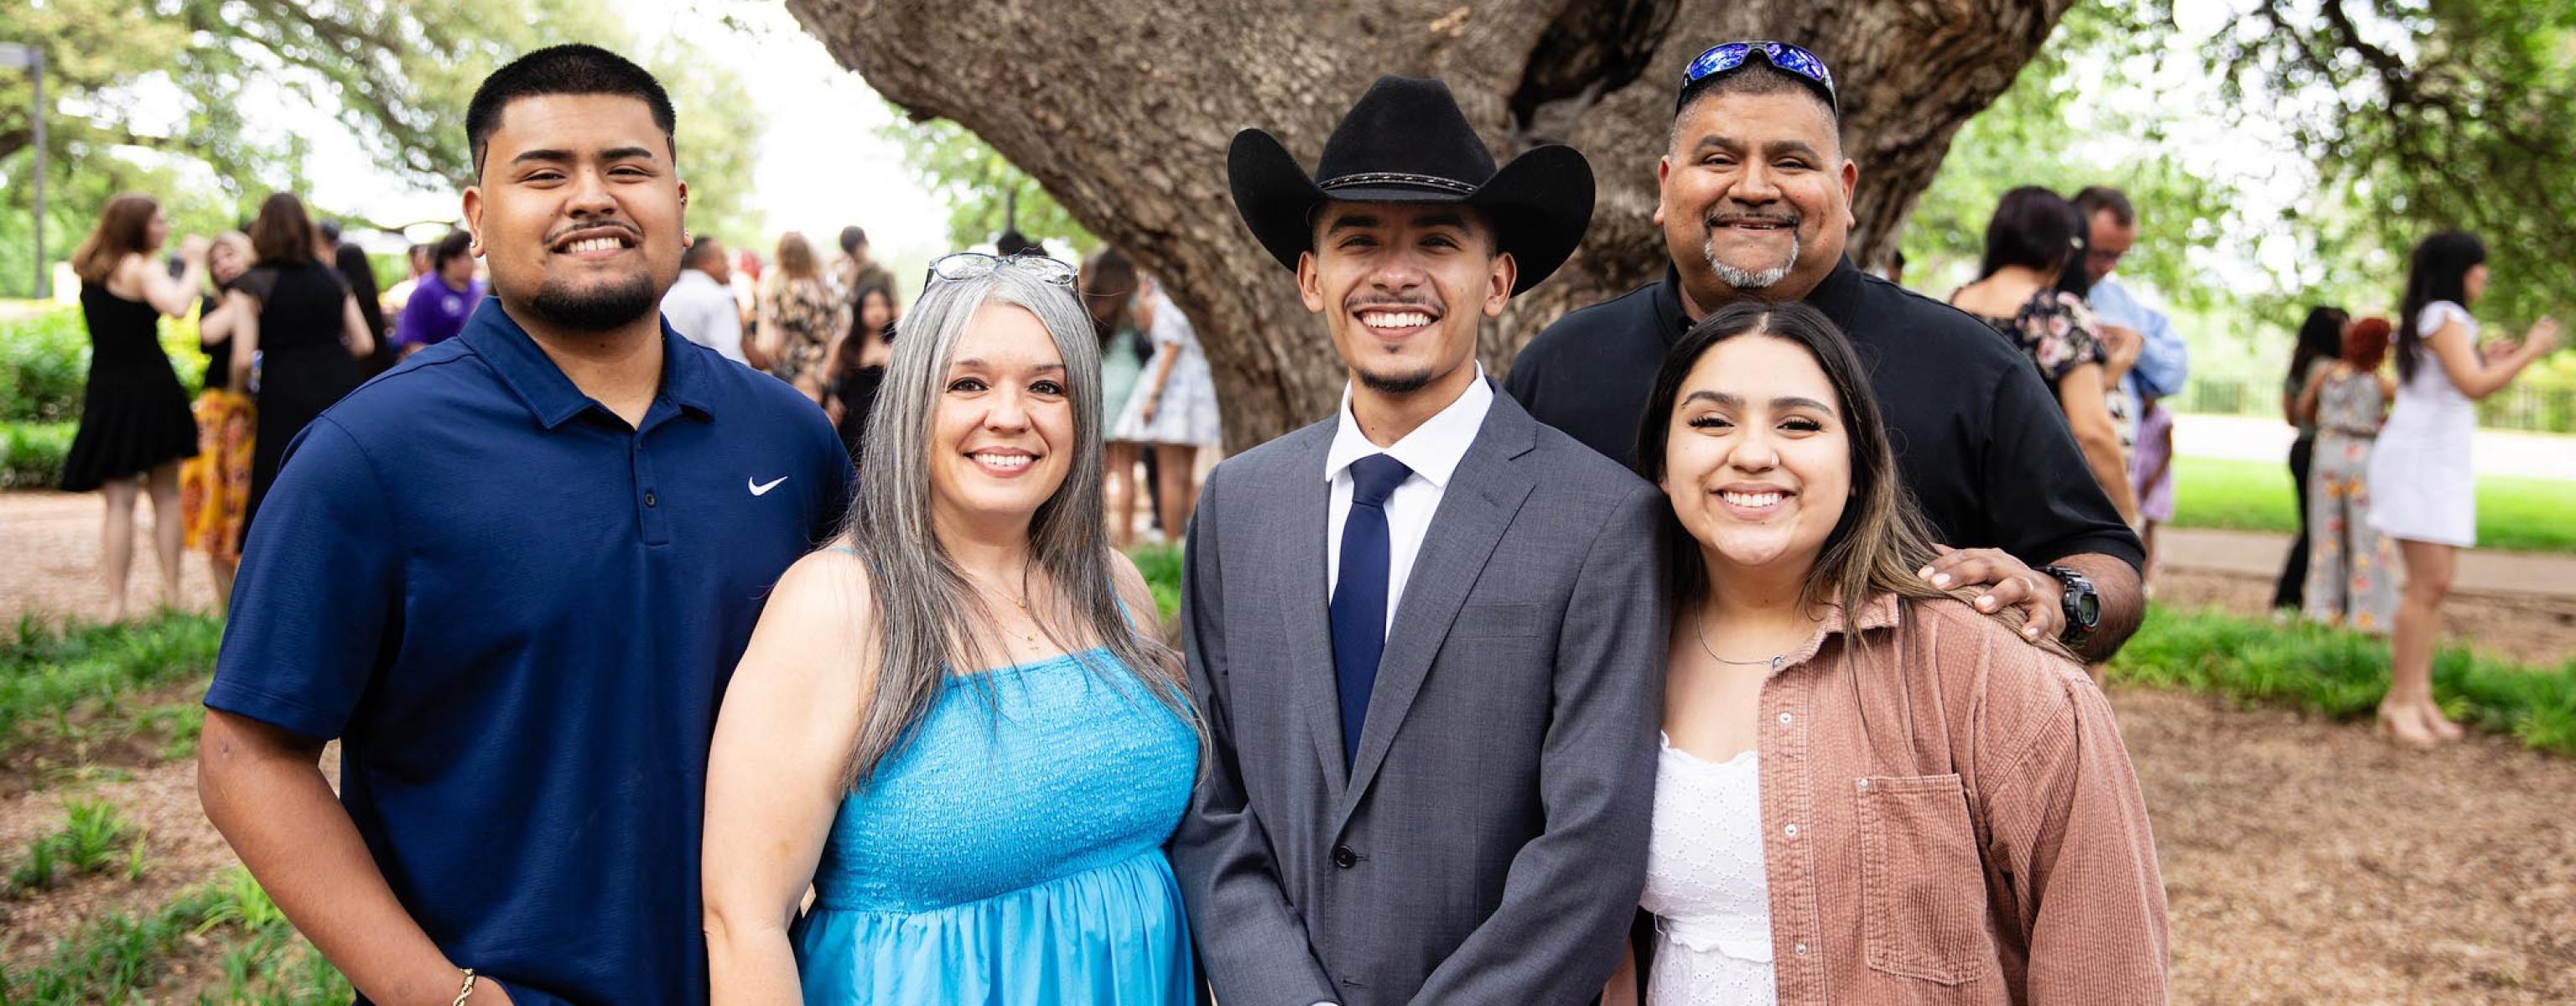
column 1705, row 884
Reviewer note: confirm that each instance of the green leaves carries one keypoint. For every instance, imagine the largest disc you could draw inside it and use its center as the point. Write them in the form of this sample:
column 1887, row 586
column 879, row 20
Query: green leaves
column 2429, row 115
column 984, row 192
column 195, row 101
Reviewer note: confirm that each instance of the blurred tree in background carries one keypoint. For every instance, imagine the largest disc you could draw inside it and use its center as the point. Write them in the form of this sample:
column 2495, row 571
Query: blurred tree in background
column 210, row 104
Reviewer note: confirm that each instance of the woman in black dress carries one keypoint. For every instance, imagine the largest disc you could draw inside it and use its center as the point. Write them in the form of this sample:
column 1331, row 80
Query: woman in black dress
column 858, row 364
column 297, row 316
column 135, row 427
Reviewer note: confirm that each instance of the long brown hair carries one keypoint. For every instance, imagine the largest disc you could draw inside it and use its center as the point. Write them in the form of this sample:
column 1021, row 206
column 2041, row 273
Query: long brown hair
column 1108, row 285
column 283, row 233
column 124, row 228
column 795, row 256
column 1882, row 538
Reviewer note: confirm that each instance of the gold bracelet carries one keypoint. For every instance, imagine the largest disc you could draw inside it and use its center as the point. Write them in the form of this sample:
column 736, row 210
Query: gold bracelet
column 467, row 992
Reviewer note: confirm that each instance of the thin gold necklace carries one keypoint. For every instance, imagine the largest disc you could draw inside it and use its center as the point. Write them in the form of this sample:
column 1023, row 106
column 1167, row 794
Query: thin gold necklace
column 1699, row 632
column 1023, row 602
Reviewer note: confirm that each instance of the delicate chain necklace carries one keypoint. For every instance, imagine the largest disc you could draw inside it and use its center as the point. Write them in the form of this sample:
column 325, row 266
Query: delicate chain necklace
column 1698, row 632
column 1023, row 602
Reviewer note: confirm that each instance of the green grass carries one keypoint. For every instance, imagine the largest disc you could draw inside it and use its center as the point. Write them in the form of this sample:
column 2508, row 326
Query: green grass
column 94, row 838
column 120, row 957
column 75, row 680
column 2343, row 674
column 1161, row 565
column 2514, row 514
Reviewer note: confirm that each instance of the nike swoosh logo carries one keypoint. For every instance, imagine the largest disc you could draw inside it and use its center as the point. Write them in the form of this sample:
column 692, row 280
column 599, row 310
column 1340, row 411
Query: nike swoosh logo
column 762, row 489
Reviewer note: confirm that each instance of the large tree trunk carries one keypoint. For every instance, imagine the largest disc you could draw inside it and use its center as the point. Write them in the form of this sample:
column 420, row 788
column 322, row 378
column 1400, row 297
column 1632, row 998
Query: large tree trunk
column 1123, row 110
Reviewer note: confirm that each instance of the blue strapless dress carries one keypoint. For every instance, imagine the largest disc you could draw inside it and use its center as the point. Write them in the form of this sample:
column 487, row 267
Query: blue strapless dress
column 1011, row 854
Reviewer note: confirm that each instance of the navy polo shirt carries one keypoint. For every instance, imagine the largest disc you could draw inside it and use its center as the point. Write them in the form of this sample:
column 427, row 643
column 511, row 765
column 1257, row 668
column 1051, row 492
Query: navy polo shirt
column 517, row 614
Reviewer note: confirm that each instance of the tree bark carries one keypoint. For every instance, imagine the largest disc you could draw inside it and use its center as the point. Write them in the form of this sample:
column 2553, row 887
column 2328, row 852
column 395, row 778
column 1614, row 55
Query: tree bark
column 1123, row 110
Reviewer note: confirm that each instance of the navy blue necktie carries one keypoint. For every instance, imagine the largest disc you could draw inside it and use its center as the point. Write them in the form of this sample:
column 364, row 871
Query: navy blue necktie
column 1359, row 598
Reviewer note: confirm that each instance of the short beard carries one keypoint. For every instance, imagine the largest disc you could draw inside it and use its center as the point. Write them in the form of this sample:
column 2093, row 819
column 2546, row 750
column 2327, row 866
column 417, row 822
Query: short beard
column 1748, row 279
column 1397, row 384
column 611, row 305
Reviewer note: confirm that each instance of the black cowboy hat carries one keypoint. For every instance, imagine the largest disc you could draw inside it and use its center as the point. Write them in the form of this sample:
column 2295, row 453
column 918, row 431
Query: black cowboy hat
column 1406, row 142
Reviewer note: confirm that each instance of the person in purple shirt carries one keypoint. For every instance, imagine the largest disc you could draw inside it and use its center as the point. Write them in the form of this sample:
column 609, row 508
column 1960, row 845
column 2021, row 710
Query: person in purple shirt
column 444, row 299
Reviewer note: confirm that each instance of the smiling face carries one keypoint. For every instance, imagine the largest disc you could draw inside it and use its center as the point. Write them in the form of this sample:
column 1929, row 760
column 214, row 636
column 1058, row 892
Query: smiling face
column 1001, row 435
column 1757, row 460
column 1755, row 196
column 579, row 209
column 1403, row 288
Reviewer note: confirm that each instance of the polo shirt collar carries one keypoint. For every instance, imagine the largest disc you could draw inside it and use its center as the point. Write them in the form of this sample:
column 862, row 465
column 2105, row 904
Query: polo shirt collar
column 1671, row 321
column 552, row 397
column 1433, row 450
column 1838, row 296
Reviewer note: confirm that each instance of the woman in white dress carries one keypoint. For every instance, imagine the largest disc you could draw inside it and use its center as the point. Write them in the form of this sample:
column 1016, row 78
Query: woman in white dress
column 1173, row 409
column 1939, row 808
column 2422, row 489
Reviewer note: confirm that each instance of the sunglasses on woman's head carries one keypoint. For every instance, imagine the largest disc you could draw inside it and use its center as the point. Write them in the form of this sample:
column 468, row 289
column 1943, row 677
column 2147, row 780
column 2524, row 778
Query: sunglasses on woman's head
column 1729, row 57
column 972, row 265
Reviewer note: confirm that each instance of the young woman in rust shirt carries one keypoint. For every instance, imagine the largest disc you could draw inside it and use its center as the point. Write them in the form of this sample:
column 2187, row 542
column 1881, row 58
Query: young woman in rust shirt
column 1870, row 791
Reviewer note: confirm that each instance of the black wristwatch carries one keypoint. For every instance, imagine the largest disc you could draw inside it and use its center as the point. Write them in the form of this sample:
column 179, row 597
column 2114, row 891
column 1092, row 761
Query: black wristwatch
column 2082, row 605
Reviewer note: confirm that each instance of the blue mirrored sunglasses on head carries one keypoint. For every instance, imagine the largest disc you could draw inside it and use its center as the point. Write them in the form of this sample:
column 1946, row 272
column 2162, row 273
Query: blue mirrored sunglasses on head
column 970, row 265
column 1726, row 58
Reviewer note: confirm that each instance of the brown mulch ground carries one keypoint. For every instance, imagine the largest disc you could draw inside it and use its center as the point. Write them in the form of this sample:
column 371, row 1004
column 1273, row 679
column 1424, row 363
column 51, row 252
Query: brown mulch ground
column 2305, row 860
column 2309, row 862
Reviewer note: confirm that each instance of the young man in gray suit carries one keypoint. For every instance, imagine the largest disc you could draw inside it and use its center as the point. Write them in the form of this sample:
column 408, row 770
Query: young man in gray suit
column 1426, row 634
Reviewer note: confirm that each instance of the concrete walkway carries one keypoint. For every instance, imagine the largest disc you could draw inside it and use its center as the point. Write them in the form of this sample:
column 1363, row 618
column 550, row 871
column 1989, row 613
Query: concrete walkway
column 2261, row 553
column 2494, row 452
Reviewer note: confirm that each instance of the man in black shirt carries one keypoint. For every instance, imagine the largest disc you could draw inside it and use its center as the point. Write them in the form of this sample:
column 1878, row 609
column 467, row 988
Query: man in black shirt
column 1756, row 204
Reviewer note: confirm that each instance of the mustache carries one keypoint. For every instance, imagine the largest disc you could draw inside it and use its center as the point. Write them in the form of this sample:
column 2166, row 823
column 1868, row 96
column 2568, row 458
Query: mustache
column 632, row 232
column 1426, row 303
column 1731, row 219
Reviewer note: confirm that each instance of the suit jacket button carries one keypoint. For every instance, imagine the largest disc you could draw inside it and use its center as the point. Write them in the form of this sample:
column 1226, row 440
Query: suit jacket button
column 1343, row 857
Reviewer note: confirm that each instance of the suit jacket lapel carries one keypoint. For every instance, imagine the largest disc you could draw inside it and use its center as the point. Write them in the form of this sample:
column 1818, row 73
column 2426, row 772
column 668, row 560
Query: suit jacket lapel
column 1304, row 501
column 1483, row 495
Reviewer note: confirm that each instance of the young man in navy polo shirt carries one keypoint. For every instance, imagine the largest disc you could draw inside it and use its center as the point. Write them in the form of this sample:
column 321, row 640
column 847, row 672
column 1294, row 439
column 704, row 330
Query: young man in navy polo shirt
column 511, row 577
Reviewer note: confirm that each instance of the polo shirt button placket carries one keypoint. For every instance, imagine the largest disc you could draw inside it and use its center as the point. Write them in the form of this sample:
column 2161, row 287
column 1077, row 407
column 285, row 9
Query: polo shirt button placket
column 655, row 527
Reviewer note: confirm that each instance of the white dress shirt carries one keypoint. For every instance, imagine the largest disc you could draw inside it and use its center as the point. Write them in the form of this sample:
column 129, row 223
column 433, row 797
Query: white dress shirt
column 703, row 311
column 1433, row 451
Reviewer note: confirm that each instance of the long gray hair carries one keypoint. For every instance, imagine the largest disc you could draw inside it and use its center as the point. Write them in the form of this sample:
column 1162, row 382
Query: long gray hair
column 928, row 614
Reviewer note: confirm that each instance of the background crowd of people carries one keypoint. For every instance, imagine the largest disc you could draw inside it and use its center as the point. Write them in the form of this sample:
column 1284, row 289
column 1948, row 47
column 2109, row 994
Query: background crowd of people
column 289, row 320
column 289, row 323
column 2384, row 414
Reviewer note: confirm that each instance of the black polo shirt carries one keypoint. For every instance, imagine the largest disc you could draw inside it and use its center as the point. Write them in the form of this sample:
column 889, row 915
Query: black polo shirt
column 1978, row 437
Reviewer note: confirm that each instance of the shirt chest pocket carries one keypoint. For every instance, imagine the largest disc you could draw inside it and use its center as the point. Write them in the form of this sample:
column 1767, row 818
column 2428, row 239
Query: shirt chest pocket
column 1923, row 886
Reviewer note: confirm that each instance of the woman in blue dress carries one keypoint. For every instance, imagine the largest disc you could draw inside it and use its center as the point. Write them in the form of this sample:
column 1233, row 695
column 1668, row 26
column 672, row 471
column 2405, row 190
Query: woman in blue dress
column 946, row 723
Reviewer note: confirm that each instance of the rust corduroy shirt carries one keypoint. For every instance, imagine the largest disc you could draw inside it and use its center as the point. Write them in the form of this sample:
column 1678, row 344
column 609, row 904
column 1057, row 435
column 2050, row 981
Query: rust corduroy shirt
column 1951, row 817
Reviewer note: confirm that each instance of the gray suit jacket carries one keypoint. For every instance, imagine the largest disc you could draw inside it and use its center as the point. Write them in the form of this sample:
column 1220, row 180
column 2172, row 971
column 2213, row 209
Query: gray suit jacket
column 1488, row 844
